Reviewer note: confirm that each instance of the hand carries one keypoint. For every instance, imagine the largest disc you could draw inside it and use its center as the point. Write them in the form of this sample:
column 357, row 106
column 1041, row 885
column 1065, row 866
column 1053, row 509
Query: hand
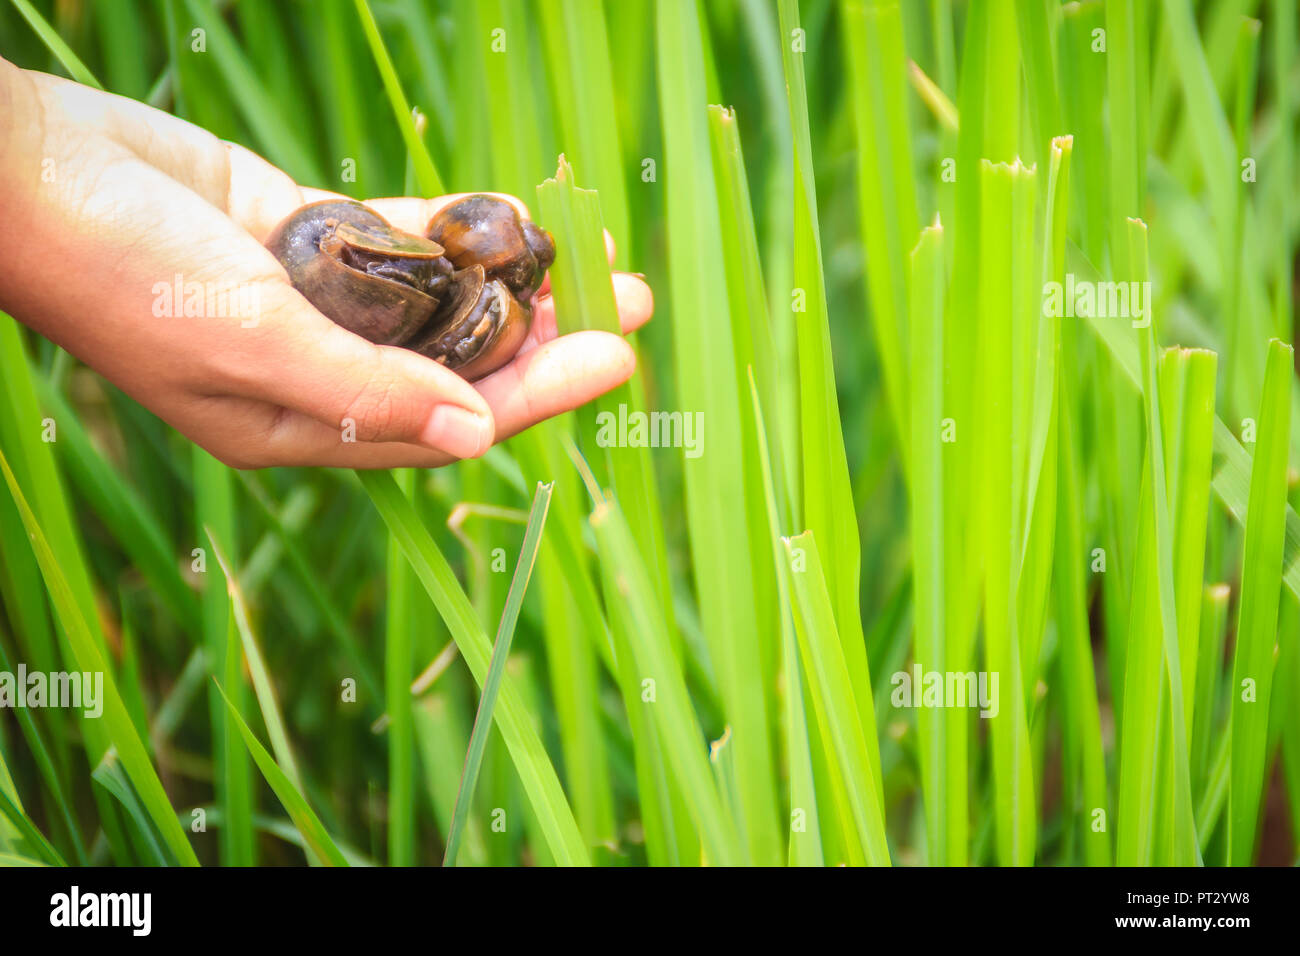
column 115, row 202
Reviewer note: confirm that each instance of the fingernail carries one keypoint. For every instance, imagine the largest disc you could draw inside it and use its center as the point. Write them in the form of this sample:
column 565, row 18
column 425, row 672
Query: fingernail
column 457, row 431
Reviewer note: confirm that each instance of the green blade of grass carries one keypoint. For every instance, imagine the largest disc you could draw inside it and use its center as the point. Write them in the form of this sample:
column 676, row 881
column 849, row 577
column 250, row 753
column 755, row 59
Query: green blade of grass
column 754, row 358
column 88, row 657
column 1041, row 355
column 34, row 466
column 120, row 508
column 837, row 710
column 1006, row 233
column 1085, row 760
column 1231, row 480
column 398, row 627
column 1283, row 30
column 263, row 113
column 825, row 490
column 584, row 299
column 534, row 767
column 1035, row 20
column 28, row 831
column 45, row 762
column 670, row 706
column 1188, row 406
column 300, row 812
column 886, row 194
column 1126, row 75
column 1083, row 97
column 442, row 737
column 109, row 775
column 1252, row 670
column 945, row 797
column 55, row 44
column 579, row 64
column 257, row 669
column 214, row 508
column 425, row 174
column 707, row 383
column 1209, row 664
column 497, row 667
column 805, row 843
column 583, row 294
column 1163, row 614
column 9, row 859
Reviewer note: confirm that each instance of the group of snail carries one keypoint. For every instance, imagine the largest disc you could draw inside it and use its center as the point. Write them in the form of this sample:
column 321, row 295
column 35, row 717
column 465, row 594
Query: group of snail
column 460, row 294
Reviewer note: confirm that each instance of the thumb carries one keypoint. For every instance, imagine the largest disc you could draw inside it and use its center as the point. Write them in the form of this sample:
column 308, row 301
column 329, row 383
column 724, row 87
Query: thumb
column 298, row 359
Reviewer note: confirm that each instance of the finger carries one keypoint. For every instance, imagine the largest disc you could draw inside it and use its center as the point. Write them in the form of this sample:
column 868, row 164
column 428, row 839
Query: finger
column 412, row 214
column 312, row 194
column 551, row 380
column 635, row 306
column 556, row 377
column 261, row 195
column 267, row 436
column 296, row 358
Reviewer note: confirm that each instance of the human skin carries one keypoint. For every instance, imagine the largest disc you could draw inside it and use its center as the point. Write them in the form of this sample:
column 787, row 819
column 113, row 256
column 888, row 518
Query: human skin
column 111, row 198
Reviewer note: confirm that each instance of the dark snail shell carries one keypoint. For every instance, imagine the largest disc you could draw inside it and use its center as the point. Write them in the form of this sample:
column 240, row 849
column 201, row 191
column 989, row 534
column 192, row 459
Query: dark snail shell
column 489, row 232
column 370, row 278
column 462, row 300
column 484, row 326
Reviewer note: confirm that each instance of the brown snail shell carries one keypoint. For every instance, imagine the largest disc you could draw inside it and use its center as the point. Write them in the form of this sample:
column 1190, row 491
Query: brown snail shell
column 479, row 330
column 370, row 278
column 463, row 302
column 490, row 232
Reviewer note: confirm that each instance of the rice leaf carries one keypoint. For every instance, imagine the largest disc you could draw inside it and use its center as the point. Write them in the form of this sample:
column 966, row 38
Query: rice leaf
column 304, row 818
column 88, row 657
column 497, row 668
column 1252, row 669
column 534, row 767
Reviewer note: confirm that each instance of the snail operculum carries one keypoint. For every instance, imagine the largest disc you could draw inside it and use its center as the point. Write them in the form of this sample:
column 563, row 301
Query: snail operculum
column 479, row 329
column 389, row 254
column 358, row 270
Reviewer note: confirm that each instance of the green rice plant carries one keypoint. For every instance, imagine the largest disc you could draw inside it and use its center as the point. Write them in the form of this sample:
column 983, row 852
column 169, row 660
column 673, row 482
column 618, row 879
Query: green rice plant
column 885, row 192
column 426, row 175
column 304, row 818
column 398, row 626
column 848, row 758
column 1006, row 237
column 497, row 669
column 805, row 844
column 1252, row 670
column 720, row 842
column 824, row 490
column 944, row 792
column 88, row 657
column 439, row 581
column 716, row 494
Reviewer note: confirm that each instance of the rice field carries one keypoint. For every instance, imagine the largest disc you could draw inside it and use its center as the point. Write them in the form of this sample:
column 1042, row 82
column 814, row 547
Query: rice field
column 949, row 518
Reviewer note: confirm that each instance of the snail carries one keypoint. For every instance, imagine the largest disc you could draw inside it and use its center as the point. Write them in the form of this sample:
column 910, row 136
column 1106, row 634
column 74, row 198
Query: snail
column 459, row 294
